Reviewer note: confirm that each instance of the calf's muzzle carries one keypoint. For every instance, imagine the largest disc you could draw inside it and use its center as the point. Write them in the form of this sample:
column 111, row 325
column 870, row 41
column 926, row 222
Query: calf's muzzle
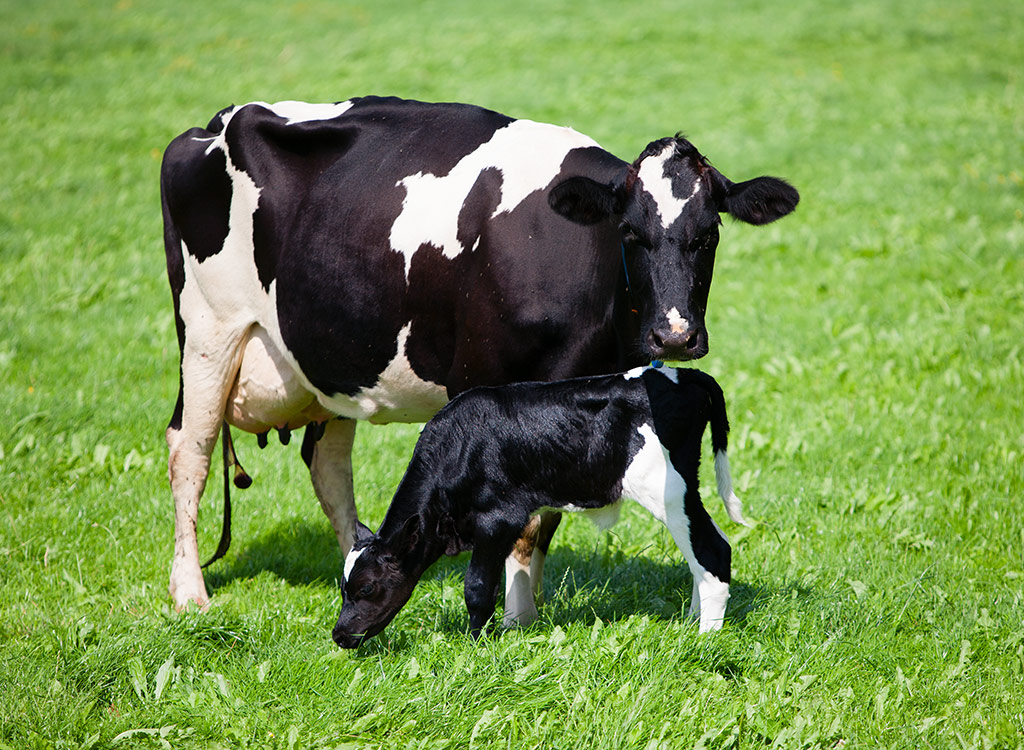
column 344, row 638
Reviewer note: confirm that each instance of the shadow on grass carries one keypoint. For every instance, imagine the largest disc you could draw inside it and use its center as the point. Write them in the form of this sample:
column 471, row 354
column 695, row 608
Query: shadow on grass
column 578, row 585
column 301, row 553
column 612, row 586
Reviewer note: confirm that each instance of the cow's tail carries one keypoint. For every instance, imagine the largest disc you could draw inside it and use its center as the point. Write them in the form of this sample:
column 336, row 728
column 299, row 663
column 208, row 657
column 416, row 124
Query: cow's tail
column 720, row 444
column 242, row 481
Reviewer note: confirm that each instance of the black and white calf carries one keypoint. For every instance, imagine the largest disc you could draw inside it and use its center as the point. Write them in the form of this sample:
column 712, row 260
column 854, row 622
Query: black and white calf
column 494, row 456
column 372, row 258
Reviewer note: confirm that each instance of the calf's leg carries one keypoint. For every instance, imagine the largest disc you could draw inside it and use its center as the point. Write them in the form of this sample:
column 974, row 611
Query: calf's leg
column 708, row 555
column 483, row 576
column 524, row 570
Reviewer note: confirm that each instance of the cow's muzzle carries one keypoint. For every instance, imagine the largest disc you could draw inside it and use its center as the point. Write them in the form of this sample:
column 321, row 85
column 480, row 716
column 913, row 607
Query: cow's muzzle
column 677, row 346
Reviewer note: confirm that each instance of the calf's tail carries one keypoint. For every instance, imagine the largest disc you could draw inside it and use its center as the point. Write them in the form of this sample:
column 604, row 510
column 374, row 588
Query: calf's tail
column 719, row 444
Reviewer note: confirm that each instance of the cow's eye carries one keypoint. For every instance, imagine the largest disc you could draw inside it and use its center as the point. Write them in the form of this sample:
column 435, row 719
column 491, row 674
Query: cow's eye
column 366, row 590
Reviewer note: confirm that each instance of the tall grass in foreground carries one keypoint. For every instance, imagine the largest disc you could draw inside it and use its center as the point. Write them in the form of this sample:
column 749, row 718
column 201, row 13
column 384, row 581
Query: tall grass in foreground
column 869, row 346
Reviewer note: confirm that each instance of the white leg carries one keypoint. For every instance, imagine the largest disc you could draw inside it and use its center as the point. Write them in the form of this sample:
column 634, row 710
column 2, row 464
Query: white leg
column 524, row 570
column 206, row 380
column 709, row 595
column 331, row 472
column 188, row 470
column 709, row 599
column 520, row 606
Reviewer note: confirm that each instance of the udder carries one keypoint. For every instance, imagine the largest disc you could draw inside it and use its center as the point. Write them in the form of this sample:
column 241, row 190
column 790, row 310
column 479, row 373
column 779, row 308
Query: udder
column 268, row 393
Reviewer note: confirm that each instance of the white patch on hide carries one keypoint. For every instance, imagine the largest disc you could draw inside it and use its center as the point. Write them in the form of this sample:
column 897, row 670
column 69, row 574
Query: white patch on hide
column 297, row 112
column 650, row 479
column 399, row 395
column 350, row 561
column 528, row 154
column 659, row 187
column 223, row 293
column 676, row 322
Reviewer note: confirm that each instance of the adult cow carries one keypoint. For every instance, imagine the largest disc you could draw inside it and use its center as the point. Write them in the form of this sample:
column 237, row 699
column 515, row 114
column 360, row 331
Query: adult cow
column 370, row 259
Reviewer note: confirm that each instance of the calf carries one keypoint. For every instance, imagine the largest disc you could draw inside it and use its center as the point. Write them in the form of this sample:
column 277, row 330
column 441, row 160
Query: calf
column 494, row 456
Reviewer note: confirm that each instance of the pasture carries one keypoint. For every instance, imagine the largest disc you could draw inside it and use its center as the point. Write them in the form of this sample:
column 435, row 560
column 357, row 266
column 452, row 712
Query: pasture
column 871, row 348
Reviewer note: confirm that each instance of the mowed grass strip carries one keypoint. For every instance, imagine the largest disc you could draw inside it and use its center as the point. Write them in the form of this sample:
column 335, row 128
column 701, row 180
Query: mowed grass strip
column 869, row 347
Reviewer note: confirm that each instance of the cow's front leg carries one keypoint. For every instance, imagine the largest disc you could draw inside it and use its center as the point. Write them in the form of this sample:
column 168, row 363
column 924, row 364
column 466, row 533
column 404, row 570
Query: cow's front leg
column 524, row 570
column 330, row 468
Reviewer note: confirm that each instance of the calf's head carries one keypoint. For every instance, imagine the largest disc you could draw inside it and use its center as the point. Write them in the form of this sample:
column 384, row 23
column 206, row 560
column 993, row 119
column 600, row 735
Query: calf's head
column 379, row 578
column 667, row 204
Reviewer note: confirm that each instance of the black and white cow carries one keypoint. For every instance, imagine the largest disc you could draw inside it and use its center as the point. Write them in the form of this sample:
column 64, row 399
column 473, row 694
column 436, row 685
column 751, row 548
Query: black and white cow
column 494, row 456
column 372, row 258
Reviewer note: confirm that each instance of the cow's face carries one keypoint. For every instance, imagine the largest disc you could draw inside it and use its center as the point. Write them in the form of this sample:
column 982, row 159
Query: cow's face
column 375, row 587
column 667, row 205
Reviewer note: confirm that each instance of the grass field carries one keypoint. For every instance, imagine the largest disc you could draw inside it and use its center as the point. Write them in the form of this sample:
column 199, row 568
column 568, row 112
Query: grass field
column 870, row 346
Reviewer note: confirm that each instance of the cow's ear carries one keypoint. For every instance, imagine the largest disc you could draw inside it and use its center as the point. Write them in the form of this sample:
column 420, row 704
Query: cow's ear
column 586, row 201
column 758, row 201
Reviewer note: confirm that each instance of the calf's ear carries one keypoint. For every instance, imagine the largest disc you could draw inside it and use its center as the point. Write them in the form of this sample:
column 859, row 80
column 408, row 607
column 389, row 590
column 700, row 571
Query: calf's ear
column 363, row 533
column 447, row 532
column 409, row 535
column 586, row 201
column 758, row 201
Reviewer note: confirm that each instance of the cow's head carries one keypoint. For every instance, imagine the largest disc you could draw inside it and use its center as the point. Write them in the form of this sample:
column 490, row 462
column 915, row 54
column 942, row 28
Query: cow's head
column 378, row 580
column 667, row 204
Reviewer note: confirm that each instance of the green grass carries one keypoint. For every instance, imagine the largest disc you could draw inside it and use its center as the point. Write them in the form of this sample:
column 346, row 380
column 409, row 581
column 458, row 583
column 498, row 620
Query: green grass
column 870, row 347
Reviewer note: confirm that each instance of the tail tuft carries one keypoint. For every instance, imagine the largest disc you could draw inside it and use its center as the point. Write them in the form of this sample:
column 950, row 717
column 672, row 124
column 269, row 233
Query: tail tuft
column 733, row 505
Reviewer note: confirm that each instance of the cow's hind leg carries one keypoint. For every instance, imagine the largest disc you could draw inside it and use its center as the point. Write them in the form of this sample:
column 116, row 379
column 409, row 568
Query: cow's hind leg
column 206, row 377
column 330, row 468
column 524, row 570
column 708, row 555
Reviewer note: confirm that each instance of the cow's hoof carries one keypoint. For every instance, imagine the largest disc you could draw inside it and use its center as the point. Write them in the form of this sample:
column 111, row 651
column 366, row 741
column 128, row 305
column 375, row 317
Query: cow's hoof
column 189, row 597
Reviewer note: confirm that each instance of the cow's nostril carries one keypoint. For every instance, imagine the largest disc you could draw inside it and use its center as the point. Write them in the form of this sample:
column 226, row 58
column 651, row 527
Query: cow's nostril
column 657, row 341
